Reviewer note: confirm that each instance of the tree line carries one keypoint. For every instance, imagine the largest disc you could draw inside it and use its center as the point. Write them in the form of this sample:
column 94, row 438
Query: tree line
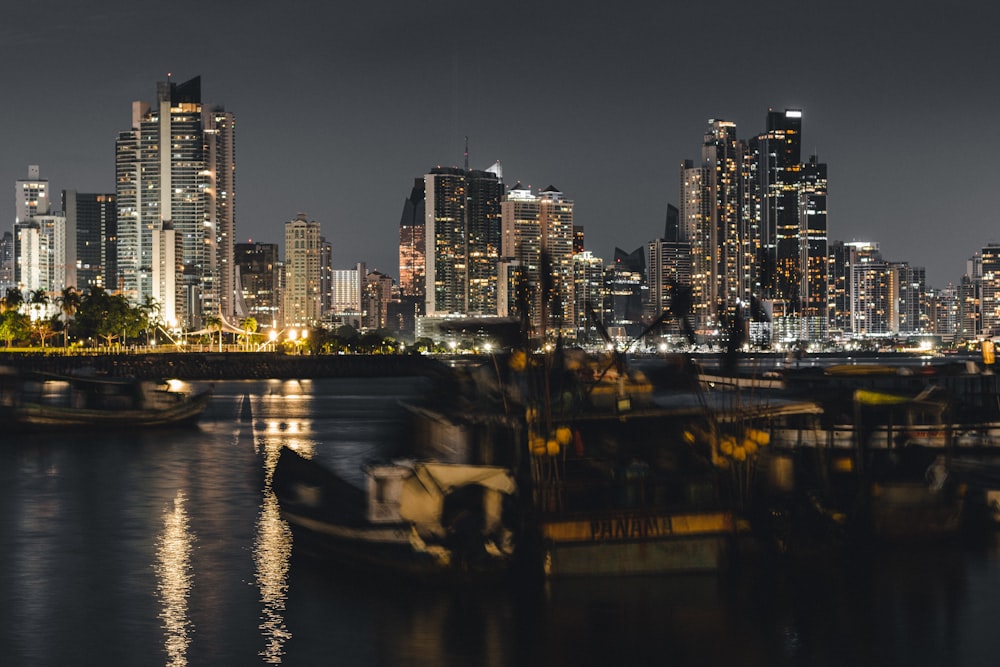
column 96, row 317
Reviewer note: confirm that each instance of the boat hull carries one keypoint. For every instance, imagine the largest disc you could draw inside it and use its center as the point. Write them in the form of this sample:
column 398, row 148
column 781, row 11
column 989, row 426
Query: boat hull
column 336, row 521
column 42, row 418
column 636, row 544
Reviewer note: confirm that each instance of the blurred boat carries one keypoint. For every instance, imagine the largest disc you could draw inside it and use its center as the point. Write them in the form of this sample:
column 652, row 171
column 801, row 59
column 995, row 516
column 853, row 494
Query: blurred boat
column 41, row 402
column 411, row 517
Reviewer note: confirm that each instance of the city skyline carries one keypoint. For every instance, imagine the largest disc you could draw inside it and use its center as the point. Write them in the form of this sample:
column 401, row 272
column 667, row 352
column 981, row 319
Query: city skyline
column 344, row 108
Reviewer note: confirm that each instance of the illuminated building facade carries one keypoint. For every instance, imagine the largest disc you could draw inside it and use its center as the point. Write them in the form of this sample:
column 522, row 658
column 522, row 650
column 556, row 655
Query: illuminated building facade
column 31, row 198
column 258, row 274
column 538, row 229
column 913, row 317
column 413, row 244
column 625, row 293
column 668, row 269
column 376, row 297
column 95, row 217
column 176, row 165
column 462, row 240
column 588, row 289
column 812, row 243
column 722, row 157
column 873, row 293
column 695, row 217
column 990, row 290
column 347, row 295
column 46, row 254
column 302, row 298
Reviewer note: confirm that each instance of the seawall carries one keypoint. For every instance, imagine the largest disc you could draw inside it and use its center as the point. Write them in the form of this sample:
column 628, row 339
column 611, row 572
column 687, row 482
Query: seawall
column 228, row 365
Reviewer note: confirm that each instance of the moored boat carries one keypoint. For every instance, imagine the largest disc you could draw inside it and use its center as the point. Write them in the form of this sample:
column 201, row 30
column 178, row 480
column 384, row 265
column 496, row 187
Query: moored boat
column 39, row 402
column 411, row 517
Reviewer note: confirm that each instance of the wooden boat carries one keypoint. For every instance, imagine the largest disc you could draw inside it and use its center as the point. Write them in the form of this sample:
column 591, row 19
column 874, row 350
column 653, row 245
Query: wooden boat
column 37, row 402
column 411, row 517
column 608, row 487
column 628, row 493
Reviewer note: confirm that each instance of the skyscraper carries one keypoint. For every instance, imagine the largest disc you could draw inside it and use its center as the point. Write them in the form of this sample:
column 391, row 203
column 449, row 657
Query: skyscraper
column 462, row 236
column 537, row 245
column 813, row 256
column 412, row 244
column 990, row 290
column 258, row 272
column 302, row 272
column 189, row 189
column 668, row 269
column 31, row 198
column 95, row 218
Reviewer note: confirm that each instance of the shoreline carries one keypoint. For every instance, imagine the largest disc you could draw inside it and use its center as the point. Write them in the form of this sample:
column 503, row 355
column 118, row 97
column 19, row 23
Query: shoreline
column 226, row 365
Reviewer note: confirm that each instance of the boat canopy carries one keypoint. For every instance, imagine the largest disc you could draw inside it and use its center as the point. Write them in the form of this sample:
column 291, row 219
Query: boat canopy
column 423, row 494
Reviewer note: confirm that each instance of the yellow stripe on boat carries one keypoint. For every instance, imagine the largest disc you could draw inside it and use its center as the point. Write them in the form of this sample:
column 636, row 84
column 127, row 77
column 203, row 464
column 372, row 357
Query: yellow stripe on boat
column 624, row 526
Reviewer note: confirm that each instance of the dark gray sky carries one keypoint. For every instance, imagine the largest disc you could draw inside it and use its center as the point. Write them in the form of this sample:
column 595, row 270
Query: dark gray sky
column 339, row 106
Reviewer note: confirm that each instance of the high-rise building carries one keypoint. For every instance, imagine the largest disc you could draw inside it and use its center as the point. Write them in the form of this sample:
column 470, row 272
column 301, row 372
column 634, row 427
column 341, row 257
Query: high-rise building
column 943, row 311
column 175, row 167
column 258, row 276
column 625, row 293
column 722, row 157
column 841, row 259
column 538, row 249
column 990, row 290
column 462, row 237
column 873, row 292
column 913, row 317
column 376, row 297
column 694, row 219
column 325, row 276
column 31, row 198
column 413, row 244
column 588, row 291
column 7, row 262
column 47, row 254
column 31, row 195
column 969, row 316
column 668, row 270
column 302, row 272
column 95, row 217
column 778, row 152
column 813, row 253
column 347, row 295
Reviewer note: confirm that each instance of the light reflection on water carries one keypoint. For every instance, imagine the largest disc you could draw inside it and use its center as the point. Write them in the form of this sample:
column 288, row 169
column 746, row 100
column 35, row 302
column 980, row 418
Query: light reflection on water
column 174, row 541
column 272, row 551
column 173, row 573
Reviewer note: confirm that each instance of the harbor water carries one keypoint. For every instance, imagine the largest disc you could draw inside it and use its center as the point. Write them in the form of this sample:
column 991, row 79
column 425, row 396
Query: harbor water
column 167, row 548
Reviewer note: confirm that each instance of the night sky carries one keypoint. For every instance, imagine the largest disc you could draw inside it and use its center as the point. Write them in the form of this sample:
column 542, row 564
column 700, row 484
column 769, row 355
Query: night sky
column 339, row 106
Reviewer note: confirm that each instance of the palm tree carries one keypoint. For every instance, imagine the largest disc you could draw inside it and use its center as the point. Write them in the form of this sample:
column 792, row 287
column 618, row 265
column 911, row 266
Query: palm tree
column 68, row 302
column 249, row 326
column 12, row 299
column 150, row 310
column 39, row 299
column 214, row 323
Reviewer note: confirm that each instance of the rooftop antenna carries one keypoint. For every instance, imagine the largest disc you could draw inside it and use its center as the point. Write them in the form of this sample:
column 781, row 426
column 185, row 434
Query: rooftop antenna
column 467, row 153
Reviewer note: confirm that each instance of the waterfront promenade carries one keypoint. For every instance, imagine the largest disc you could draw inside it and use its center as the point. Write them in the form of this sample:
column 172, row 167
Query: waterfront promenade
column 227, row 365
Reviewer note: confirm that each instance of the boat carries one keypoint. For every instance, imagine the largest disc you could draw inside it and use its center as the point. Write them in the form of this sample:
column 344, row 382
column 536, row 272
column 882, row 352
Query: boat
column 32, row 402
column 627, row 497
column 437, row 520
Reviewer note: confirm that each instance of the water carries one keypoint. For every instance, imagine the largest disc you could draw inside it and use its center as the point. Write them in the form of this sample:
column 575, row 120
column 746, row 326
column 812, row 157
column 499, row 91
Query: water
column 167, row 549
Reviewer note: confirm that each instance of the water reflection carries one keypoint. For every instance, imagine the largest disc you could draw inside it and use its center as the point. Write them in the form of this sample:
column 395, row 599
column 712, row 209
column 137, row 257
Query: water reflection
column 173, row 573
column 272, row 551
